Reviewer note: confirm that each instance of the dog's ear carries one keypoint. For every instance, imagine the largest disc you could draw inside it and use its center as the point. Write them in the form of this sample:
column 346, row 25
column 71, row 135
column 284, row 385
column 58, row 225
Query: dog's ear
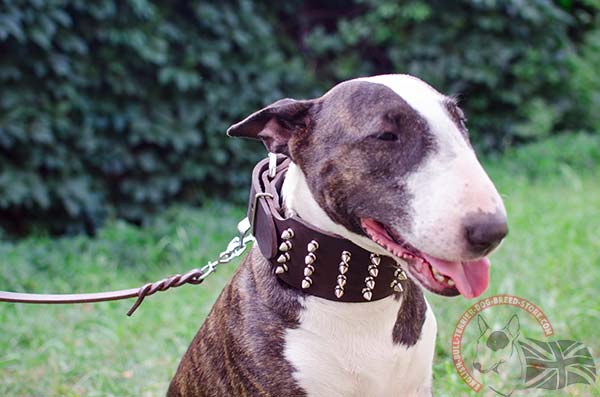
column 275, row 124
column 483, row 326
column 513, row 325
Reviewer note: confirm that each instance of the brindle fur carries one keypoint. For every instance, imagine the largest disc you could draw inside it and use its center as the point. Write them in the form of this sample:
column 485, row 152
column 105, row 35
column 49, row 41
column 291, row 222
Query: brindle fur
column 238, row 351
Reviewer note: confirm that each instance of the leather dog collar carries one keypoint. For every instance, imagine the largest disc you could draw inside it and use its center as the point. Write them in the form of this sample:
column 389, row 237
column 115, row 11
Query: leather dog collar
column 303, row 257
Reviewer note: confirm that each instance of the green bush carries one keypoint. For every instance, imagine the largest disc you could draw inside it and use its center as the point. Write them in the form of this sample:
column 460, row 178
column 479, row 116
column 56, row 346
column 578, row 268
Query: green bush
column 585, row 80
column 510, row 61
column 111, row 106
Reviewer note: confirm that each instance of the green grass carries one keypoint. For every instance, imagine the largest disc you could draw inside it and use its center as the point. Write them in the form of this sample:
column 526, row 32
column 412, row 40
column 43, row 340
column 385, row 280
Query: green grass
column 552, row 257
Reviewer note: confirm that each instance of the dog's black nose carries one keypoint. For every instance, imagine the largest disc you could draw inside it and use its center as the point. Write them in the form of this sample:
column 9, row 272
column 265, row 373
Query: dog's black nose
column 485, row 232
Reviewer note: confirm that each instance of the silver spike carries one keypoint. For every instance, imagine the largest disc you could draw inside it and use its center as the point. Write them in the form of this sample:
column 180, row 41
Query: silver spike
column 375, row 259
column 373, row 270
column 339, row 291
column 346, row 256
column 285, row 257
column 343, row 268
column 341, row 280
column 370, row 282
column 309, row 270
column 396, row 286
column 307, row 282
column 310, row 258
column 367, row 294
column 400, row 275
column 287, row 234
column 312, row 246
column 285, row 246
column 281, row 269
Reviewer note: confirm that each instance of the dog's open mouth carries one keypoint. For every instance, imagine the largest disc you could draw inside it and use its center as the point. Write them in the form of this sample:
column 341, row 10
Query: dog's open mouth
column 468, row 278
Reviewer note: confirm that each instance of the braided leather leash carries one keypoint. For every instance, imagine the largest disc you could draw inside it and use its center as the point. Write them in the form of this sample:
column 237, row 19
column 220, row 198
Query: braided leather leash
column 195, row 276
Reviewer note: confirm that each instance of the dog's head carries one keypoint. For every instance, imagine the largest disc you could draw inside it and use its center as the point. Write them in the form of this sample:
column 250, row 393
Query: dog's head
column 388, row 164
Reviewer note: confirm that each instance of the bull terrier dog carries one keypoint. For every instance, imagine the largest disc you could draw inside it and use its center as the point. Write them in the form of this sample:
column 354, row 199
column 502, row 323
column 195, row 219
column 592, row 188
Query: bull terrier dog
column 376, row 194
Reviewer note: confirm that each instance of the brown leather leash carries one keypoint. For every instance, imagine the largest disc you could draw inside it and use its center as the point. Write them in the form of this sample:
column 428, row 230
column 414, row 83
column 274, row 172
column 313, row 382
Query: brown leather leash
column 192, row 277
column 195, row 276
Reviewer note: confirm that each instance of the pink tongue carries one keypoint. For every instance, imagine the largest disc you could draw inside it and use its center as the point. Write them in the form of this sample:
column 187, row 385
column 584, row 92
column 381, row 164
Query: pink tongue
column 471, row 278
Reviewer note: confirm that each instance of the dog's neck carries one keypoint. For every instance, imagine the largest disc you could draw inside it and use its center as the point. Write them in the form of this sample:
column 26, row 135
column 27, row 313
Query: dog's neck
column 298, row 199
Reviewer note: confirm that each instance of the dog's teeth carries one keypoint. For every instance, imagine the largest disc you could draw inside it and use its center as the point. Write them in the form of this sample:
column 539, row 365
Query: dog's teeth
column 450, row 282
column 439, row 277
column 434, row 270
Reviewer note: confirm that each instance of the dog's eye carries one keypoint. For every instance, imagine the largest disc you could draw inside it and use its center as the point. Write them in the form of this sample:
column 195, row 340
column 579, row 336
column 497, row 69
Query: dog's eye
column 386, row 136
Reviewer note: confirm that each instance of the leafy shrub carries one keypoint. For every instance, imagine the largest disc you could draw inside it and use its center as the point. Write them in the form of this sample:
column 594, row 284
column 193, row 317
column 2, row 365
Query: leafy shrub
column 508, row 60
column 585, row 80
column 123, row 106
column 113, row 108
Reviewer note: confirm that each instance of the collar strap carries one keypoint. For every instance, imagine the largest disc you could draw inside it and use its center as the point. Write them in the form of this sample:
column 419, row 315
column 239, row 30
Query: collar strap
column 309, row 259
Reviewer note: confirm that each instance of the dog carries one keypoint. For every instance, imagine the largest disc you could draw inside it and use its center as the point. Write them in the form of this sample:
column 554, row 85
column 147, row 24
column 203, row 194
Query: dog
column 383, row 164
column 497, row 356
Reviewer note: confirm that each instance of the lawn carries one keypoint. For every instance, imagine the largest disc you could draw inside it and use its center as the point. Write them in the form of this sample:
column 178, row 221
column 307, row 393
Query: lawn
column 551, row 257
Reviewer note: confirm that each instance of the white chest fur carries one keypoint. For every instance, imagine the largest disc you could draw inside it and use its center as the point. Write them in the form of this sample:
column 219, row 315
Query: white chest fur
column 347, row 349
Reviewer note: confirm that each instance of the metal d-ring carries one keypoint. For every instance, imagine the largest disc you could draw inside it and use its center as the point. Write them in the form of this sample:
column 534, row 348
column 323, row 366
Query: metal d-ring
column 256, row 197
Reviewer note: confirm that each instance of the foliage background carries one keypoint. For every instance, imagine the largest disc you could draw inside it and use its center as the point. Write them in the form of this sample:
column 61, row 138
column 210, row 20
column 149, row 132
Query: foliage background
column 118, row 109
